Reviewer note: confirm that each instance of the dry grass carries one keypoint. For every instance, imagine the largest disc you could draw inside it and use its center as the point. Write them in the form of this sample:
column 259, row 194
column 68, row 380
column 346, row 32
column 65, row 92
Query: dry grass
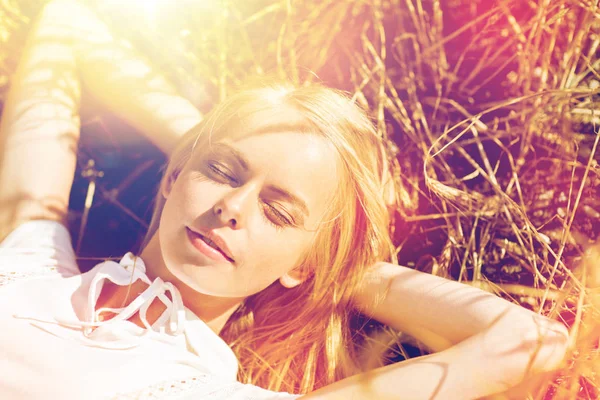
column 489, row 108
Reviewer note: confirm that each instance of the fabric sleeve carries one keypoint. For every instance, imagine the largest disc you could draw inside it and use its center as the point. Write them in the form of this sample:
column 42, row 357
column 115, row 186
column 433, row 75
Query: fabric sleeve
column 37, row 248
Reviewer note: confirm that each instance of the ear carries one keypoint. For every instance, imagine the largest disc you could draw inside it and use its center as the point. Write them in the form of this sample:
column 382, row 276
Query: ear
column 167, row 184
column 293, row 278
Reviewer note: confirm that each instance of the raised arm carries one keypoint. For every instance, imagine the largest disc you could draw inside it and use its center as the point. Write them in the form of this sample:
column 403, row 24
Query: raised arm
column 125, row 82
column 491, row 344
column 39, row 131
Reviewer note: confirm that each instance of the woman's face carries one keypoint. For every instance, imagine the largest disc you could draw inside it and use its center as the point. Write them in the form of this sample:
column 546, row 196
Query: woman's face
column 260, row 199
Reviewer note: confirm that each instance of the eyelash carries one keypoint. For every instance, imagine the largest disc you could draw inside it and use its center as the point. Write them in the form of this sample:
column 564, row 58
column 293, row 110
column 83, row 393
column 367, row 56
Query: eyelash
column 282, row 221
column 218, row 171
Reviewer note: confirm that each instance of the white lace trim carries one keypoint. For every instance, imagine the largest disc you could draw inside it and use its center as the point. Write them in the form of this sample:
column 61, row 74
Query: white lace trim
column 204, row 387
column 169, row 389
column 25, row 271
column 36, row 249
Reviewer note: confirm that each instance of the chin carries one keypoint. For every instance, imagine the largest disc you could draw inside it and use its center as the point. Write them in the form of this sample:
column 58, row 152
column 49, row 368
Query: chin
column 204, row 279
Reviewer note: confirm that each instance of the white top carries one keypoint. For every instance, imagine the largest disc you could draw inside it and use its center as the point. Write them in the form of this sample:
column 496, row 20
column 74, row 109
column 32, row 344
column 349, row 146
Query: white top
column 52, row 344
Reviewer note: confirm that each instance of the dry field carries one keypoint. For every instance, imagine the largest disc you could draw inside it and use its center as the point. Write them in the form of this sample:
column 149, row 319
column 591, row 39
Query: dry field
column 488, row 109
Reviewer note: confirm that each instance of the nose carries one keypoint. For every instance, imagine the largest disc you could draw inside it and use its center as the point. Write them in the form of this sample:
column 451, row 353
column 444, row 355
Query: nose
column 233, row 208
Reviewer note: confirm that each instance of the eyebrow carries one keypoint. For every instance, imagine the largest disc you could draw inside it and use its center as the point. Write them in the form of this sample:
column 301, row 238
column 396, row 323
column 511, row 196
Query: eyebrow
column 239, row 157
column 285, row 194
column 289, row 197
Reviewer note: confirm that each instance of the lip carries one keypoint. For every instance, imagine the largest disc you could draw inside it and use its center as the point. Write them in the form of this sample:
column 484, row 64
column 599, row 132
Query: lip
column 196, row 241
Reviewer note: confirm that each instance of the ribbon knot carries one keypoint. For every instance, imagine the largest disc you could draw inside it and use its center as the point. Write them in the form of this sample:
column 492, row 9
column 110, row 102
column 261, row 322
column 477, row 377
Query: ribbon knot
column 115, row 333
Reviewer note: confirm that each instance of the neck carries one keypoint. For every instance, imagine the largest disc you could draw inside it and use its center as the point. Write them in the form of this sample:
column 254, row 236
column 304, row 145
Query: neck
column 213, row 310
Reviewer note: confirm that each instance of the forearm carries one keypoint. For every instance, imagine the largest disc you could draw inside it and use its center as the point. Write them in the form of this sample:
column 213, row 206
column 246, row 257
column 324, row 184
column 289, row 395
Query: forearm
column 413, row 302
column 125, row 82
column 485, row 364
column 39, row 130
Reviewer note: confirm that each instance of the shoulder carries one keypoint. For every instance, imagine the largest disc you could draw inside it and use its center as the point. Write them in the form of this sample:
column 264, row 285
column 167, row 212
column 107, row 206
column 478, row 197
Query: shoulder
column 37, row 248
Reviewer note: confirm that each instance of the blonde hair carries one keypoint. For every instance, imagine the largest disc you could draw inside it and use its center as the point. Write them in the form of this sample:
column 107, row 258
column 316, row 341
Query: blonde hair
column 299, row 339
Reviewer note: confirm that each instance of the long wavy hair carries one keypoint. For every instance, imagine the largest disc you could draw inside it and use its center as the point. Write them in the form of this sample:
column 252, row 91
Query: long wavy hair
column 300, row 339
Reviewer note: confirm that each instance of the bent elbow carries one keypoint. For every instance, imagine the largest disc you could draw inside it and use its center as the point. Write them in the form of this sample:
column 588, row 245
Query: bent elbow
column 529, row 351
column 546, row 344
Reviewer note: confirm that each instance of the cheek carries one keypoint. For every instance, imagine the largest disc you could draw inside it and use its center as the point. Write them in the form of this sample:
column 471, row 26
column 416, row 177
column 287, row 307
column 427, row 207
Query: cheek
column 279, row 252
column 172, row 214
column 187, row 198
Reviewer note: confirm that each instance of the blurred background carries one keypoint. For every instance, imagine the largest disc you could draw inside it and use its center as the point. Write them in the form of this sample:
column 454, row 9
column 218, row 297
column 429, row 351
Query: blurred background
column 488, row 108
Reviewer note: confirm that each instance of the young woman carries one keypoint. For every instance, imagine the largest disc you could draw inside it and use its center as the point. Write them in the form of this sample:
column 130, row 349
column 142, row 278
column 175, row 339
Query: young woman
column 269, row 234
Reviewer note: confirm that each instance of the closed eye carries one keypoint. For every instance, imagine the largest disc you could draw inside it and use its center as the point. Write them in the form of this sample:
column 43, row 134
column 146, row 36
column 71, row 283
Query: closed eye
column 276, row 215
column 221, row 172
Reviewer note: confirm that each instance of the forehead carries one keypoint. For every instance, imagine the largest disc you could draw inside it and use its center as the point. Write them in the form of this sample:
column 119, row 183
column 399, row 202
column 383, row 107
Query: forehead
column 303, row 164
column 263, row 118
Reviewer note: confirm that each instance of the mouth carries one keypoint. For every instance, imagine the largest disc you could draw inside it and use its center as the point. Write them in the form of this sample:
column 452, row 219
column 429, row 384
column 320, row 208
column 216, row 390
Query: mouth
column 207, row 246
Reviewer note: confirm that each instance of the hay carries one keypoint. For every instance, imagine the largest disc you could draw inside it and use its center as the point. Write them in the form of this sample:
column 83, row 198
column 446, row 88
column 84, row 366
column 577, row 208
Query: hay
column 490, row 115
